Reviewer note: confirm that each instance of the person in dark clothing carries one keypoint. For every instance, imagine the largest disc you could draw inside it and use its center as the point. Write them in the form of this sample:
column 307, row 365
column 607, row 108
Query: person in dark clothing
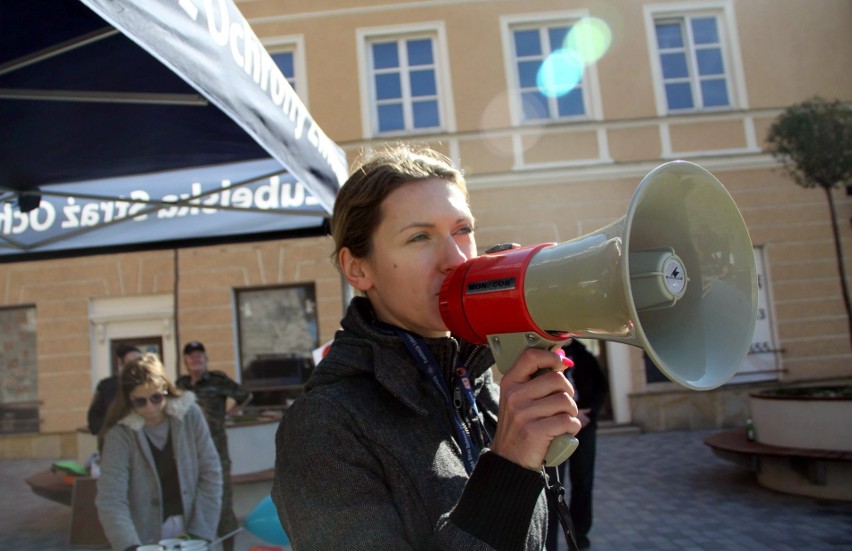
column 402, row 439
column 592, row 388
column 107, row 389
column 212, row 389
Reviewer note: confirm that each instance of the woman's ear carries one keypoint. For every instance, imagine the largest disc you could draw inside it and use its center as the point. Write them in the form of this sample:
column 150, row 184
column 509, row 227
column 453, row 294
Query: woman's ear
column 354, row 271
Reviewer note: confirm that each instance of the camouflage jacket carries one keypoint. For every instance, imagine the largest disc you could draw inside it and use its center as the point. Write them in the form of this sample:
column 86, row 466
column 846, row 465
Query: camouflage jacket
column 212, row 392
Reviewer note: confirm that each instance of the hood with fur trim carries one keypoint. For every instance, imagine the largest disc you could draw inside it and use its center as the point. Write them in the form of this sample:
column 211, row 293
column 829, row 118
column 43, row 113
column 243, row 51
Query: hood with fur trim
column 175, row 407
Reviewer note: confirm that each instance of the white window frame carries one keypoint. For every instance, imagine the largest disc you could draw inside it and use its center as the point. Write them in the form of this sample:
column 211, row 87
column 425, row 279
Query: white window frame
column 296, row 45
column 436, row 30
column 723, row 10
column 592, row 101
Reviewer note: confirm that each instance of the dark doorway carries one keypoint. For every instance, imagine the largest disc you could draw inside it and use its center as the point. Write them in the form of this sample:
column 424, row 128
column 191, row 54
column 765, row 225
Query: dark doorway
column 153, row 345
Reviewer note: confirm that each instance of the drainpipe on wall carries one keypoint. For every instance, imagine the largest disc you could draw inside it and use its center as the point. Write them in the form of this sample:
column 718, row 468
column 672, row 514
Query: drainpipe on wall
column 175, row 312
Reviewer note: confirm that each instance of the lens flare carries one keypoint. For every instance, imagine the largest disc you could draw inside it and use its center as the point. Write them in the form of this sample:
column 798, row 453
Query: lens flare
column 559, row 73
column 590, row 38
column 586, row 42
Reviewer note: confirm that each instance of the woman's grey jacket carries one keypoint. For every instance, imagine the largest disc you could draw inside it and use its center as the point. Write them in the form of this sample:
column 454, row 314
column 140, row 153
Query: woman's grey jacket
column 366, row 458
column 129, row 494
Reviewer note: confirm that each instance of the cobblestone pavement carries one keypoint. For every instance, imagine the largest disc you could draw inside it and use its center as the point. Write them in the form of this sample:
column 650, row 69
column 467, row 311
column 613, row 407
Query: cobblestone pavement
column 654, row 491
column 668, row 491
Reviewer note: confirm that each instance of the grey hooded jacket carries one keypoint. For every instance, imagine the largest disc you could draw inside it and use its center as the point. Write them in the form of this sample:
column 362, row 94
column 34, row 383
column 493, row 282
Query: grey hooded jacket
column 129, row 494
column 366, row 458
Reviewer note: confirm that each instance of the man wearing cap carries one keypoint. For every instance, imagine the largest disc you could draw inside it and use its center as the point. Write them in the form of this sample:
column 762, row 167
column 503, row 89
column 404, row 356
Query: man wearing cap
column 212, row 390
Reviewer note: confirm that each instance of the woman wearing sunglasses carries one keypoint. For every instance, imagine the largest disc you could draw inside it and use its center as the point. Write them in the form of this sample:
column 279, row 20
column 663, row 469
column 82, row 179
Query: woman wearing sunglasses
column 160, row 473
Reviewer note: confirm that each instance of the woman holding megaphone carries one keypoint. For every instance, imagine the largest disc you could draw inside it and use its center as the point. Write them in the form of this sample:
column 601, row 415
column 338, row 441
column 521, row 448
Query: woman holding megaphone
column 402, row 439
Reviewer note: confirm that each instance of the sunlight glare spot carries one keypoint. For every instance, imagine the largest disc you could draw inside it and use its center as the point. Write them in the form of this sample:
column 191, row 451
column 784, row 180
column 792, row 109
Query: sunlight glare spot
column 559, row 73
column 590, row 37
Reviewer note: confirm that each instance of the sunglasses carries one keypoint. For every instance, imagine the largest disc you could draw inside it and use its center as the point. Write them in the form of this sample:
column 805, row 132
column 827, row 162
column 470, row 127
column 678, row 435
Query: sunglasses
column 156, row 399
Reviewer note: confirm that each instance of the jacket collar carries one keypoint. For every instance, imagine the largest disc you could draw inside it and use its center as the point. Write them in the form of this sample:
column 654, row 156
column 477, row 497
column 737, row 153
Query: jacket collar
column 390, row 360
column 175, row 407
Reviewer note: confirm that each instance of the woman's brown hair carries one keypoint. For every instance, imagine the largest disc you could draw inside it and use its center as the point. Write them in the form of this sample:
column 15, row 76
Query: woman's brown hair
column 143, row 370
column 357, row 208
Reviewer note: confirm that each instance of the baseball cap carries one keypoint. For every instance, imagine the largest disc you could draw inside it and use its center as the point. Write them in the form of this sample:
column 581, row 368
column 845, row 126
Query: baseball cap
column 193, row 346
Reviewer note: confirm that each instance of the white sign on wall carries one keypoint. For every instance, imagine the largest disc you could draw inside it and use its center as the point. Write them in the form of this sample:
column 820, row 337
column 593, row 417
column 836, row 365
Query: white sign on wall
column 762, row 363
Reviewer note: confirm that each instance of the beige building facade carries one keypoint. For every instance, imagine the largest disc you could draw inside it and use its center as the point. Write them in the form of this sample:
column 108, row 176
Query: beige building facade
column 548, row 158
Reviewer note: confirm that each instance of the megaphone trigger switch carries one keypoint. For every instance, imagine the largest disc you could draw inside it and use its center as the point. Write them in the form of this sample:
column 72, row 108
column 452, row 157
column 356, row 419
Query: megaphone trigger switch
column 566, row 361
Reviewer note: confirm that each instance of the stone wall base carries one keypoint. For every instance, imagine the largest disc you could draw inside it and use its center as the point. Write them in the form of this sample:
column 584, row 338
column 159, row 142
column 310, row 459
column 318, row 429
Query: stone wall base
column 51, row 445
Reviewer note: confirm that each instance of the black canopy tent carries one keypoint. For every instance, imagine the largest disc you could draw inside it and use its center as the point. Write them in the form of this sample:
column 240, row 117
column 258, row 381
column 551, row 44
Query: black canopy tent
column 147, row 117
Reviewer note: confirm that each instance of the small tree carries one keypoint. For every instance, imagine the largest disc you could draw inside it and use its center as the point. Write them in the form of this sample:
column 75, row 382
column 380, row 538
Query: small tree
column 813, row 140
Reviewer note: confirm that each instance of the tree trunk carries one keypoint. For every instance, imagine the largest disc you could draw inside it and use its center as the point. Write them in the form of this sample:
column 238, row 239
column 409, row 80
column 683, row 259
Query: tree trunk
column 840, row 265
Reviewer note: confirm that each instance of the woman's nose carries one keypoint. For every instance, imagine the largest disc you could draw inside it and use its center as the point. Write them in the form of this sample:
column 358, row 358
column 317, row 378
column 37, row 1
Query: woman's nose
column 453, row 255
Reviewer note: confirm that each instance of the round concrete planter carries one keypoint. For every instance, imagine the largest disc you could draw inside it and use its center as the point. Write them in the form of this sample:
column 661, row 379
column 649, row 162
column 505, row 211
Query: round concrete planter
column 814, row 418
column 810, row 432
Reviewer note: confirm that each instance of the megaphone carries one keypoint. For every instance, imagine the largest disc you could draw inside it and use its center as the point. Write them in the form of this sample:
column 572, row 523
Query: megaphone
column 675, row 276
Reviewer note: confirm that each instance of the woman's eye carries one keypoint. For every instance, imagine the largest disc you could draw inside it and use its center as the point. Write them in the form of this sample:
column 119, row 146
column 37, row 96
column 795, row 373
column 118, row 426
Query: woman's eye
column 466, row 229
column 418, row 237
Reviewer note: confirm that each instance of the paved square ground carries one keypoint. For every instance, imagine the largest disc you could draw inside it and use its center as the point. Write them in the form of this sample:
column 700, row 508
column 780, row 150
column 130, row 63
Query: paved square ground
column 654, row 491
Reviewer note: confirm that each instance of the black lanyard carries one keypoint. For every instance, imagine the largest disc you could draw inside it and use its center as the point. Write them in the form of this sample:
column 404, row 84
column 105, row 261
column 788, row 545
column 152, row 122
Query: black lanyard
column 556, row 498
column 463, row 386
column 427, row 364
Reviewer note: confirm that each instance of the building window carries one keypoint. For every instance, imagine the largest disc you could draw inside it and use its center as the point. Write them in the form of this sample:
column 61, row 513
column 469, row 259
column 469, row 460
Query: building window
column 288, row 54
column 278, row 331
column 404, row 84
column 19, row 390
column 693, row 67
column 549, row 75
column 286, row 61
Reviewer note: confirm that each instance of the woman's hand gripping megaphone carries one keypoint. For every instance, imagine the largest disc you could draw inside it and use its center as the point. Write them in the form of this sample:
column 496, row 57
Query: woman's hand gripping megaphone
column 538, row 414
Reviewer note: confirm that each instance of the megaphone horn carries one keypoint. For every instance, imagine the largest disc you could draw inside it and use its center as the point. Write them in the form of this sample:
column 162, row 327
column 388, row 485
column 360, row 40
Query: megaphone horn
column 675, row 276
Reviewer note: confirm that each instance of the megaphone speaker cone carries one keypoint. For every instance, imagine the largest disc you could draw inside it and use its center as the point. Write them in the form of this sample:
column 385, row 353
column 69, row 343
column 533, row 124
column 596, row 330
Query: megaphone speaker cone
column 675, row 276
column 701, row 341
